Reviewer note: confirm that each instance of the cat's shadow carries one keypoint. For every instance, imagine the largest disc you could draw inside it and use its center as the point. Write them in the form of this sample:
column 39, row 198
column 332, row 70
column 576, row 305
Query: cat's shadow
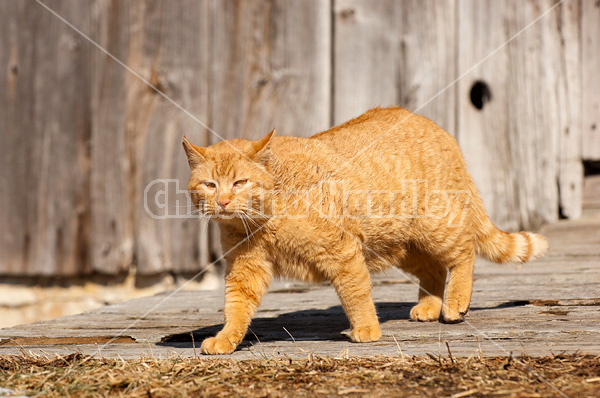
column 303, row 325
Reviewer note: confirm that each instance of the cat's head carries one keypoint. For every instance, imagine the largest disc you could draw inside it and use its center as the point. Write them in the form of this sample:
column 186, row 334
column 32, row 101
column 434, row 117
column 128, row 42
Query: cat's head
column 230, row 178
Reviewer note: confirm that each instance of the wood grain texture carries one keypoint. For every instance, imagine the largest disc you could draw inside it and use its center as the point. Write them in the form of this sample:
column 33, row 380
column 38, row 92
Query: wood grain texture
column 395, row 53
column 366, row 56
column 176, row 44
column 569, row 92
column 168, row 47
column 533, row 118
column 590, row 56
column 427, row 68
column 534, row 109
column 112, row 224
column 483, row 134
column 81, row 137
column 591, row 192
column 45, row 123
column 270, row 66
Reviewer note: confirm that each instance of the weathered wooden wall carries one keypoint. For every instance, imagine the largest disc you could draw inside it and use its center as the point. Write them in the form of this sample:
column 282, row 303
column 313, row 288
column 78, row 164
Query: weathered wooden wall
column 82, row 136
column 590, row 56
column 45, row 137
column 136, row 132
column 527, row 139
column 395, row 52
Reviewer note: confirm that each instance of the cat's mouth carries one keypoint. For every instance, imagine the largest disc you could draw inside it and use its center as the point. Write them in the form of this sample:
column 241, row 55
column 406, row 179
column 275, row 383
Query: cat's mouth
column 226, row 213
column 231, row 213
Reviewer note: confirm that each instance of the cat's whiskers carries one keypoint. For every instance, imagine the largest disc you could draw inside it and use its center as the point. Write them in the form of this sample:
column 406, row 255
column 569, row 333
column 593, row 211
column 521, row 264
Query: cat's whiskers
column 244, row 212
column 254, row 222
column 246, row 228
column 251, row 216
column 205, row 217
column 194, row 214
column 256, row 212
column 249, row 219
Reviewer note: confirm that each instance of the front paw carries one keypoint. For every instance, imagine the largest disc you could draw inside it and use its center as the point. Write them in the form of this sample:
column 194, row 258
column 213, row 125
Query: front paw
column 455, row 312
column 364, row 334
column 217, row 345
column 451, row 316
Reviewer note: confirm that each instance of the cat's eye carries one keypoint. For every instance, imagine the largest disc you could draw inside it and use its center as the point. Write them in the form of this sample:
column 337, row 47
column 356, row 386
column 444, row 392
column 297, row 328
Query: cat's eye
column 209, row 184
column 240, row 183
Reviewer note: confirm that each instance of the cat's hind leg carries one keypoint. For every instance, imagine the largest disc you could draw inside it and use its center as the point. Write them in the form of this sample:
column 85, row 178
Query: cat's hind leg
column 460, row 262
column 432, row 281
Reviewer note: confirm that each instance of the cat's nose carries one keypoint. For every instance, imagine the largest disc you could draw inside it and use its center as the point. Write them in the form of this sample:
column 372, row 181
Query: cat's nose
column 223, row 202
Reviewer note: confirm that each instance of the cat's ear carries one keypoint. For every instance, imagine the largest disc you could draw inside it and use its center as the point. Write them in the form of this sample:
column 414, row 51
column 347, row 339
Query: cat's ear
column 195, row 154
column 262, row 148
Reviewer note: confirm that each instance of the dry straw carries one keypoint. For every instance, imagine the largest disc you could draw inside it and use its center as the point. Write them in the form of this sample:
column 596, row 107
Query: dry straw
column 77, row 375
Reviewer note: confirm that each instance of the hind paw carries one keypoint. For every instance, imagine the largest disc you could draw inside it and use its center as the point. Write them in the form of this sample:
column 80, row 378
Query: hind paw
column 425, row 312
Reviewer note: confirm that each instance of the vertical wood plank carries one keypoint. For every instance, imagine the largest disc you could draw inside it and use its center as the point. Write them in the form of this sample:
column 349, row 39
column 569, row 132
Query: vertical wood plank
column 427, row 60
column 138, row 134
column 395, row 53
column 590, row 56
column 44, row 112
column 533, row 111
column 514, row 144
column 271, row 66
column 366, row 58
column 483, row 133
column 177, row 51
column 569, row 91
column 112, row 223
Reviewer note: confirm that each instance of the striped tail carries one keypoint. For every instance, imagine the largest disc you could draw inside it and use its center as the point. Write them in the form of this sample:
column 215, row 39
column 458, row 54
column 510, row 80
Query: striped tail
column 503, row 247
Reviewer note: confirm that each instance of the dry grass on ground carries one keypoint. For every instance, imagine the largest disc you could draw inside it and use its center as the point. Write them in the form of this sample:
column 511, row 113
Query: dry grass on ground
column 76, row 375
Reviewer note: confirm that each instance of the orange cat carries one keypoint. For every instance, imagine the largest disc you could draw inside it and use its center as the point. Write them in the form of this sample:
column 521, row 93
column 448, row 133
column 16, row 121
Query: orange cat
column 388, row 188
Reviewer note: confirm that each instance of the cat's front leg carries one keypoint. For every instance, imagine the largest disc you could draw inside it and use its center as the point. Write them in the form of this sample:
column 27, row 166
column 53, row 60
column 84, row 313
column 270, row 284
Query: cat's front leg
column 353, row 285
column 246, row 282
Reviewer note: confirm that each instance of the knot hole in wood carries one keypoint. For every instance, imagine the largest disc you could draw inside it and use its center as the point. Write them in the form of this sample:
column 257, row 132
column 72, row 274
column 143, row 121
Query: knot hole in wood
column 480, row 94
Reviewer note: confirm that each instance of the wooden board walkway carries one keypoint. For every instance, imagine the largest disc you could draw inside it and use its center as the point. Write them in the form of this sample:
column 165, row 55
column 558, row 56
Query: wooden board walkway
column 549, row 306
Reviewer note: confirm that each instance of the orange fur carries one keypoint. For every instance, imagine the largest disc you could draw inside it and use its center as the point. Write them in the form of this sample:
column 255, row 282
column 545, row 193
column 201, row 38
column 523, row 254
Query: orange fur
column 323, row 208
